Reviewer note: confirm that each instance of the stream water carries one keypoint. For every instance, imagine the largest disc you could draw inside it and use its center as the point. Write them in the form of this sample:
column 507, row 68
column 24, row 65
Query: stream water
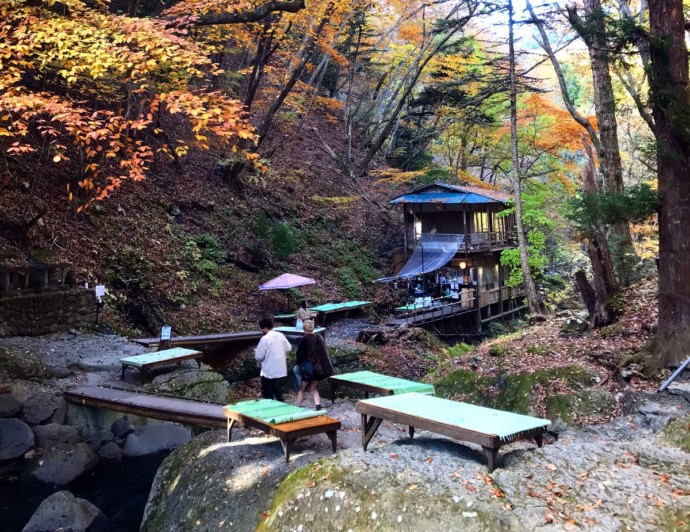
column 119, row 490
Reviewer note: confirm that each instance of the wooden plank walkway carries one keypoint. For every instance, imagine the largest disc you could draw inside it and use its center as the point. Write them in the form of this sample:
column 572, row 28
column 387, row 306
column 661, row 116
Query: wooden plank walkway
column 204, row 339
column 184, row 411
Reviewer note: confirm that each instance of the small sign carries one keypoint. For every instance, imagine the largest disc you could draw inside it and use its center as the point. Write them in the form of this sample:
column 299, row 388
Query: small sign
column 166, row 332
column 100, row 292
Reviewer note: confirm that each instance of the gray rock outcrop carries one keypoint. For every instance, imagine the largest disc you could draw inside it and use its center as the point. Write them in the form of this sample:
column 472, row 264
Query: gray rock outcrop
column 62, row 511
column 9, row 406
column 62, row 463
column 155, row 437
column 16, row 438
column 44, row 406
column 110, row 452
column 619, row 476
column 53, row 433
column 202, row 385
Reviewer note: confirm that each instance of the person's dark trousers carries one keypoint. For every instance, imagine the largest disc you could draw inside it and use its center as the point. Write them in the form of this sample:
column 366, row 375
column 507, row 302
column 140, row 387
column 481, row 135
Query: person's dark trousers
column 272, row 388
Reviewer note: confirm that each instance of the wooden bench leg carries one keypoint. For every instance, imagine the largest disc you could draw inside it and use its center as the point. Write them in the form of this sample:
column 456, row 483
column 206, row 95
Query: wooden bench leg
column 231, row 423
column 410, row 430
column 539, row 439
column 369, row 428
column 284, row 442
column 492, row 458
column 333, row 436
column 122, row 375
column 334, row 389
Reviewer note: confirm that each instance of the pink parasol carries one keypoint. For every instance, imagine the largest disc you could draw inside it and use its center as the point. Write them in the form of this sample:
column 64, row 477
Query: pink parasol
column 287, row 280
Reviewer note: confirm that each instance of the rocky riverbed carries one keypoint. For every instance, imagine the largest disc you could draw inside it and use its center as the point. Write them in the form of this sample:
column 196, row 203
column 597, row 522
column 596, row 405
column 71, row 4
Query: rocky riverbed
column 631, row 474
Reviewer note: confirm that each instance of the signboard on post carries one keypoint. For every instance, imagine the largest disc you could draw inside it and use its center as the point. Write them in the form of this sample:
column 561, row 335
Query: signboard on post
column 166, row 334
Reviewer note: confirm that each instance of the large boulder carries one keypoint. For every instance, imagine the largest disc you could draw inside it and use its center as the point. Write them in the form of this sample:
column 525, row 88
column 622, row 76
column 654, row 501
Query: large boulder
column 122, row 426
column 9, row 406
column 16, row 364
column 62, row 511
column 202, row 385
column 44, row 406
column 62, row 463
column 16, row 438
column 53, row 434
column 599, row 478
column 156, row 437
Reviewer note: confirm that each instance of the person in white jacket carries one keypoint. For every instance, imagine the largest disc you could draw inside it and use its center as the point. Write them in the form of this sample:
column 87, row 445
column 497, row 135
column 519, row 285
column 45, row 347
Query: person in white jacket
column 271, row 353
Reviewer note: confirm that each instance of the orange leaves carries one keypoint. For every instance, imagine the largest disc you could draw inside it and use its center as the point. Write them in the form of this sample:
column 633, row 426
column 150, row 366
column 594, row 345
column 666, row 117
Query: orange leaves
column 132, row 72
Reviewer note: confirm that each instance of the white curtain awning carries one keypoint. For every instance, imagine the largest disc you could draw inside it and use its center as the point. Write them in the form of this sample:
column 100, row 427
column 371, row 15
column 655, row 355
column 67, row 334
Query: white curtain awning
column 433, row 251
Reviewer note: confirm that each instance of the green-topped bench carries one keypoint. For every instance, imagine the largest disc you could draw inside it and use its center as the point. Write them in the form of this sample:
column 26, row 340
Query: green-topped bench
column 160, row 358
column 377, row 383
column 284, row 421
column 487, row 427
column 331, row 308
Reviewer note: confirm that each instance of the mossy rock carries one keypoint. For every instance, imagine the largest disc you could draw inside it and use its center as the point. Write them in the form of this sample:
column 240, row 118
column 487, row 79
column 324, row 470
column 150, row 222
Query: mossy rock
column 462, row 383
column 615, row 329
column 570, row 408
column 24, row 365
column 512, row 392
column 677, row 433
column 345, row 354
column 195, row 384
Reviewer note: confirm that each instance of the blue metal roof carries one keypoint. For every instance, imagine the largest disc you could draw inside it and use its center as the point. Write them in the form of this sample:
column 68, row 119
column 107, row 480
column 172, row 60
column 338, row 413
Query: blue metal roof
column 444, row 197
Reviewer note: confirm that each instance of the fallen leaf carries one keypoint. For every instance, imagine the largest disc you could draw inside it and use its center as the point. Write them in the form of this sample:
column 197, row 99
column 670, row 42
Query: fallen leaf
column 394, row 456
column 551, row 467
column 311, row 484
column 548, row 517
column 264, row 516
column 412, row 487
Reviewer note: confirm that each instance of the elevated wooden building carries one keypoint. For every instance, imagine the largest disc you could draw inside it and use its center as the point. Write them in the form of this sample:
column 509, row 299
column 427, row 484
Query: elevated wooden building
column 453, row 239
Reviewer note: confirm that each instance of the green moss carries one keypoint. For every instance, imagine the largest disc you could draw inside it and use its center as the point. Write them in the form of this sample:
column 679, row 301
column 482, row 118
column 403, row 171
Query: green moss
column 677, row 433
column 516, row 392
column 513, row 392
column 612, row 330
column 497, row 350
column 463, row 383
column 302, row 477
column 674, row 519
column 538, row 349
column 459, row 350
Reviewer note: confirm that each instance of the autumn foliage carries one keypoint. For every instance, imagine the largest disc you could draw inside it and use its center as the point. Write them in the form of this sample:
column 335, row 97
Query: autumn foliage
column 98, row 96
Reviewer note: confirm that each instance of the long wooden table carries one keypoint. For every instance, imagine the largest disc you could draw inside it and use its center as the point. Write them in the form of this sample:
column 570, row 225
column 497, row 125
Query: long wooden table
column 284, row 421
column 377, row 383
column 487, row 427
column 160, row 358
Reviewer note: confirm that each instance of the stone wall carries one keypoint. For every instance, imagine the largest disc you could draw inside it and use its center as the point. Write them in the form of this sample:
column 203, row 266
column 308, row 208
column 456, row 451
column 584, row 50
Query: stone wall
column 36, row 312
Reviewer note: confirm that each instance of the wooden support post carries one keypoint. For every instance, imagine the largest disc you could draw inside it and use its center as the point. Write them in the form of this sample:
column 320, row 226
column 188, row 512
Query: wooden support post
column 231, row 424
column 369, row 428
column 333, row 436
column 492, row 457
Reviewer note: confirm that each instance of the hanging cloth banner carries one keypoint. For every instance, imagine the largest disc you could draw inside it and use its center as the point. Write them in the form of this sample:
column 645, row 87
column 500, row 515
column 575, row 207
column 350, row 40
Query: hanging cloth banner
column 433, row 251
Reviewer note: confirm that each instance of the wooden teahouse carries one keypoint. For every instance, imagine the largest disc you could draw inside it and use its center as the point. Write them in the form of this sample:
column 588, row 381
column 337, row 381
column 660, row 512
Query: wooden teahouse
column 453, row 238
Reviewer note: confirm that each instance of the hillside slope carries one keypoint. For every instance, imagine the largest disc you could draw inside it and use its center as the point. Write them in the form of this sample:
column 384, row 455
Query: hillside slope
column 186, row 248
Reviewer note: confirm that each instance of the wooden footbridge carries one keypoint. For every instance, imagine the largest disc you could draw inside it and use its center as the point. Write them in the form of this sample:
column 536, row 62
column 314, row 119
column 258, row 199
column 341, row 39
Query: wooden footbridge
column 184, row 411
column 204, row 339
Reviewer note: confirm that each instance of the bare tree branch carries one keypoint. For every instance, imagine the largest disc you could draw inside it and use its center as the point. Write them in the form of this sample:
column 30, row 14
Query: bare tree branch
column 261, row 12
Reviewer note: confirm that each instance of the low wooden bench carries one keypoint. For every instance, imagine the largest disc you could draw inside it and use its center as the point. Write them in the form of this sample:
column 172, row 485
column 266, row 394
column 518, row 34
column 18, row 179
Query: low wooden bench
column 160, row 358
column 487, row 427
column 345, row 307
column 377, row 383
column 284, row 421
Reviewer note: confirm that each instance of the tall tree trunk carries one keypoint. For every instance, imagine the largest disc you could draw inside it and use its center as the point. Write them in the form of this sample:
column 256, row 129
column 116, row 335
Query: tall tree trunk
column 597, row 250
column 528, row 282
column 593, row 32
column 597, row 245
column 671, row 108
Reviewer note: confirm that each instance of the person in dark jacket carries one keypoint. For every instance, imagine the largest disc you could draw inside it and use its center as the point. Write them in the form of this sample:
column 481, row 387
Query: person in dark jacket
column 314, row 363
